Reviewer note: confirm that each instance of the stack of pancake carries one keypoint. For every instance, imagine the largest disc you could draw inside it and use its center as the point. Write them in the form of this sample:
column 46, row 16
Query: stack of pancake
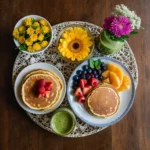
column 29, row 95
column 103, row 101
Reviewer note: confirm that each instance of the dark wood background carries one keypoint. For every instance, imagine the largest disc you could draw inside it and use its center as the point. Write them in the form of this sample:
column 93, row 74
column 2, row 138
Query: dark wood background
column 18, row 132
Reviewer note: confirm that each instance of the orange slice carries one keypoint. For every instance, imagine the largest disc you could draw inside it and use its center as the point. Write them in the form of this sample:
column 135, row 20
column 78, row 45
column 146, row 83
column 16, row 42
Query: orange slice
column 105, row 74
column 119, row 73
column 106, row 80
column 125, row 84
column 111, row 67
column 114, row 80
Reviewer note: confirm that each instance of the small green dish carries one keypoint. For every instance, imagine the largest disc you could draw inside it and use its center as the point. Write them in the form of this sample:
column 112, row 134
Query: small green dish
column 63, row 121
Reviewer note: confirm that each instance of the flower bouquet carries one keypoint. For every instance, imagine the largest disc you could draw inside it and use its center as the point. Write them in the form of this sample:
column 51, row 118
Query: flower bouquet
column 117, row 28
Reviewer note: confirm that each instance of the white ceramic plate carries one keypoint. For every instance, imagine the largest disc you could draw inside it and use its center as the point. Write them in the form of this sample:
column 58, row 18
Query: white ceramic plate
column 17, row 86
column 126, row 99
column 36, row 17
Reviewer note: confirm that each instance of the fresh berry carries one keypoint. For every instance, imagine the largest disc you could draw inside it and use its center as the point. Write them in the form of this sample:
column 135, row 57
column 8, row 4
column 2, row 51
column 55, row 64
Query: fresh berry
column 75, row 83
column 99, row 72
column 40, row 95
column 85, row 67
column 79, row 72
column 41, row 89
column 49, row 84
column 92, row 75
column 89, row 70
column 96, row 76
column 75, row 87
column 102, row 64
column 83, row 82
column 41, row 82
column 103, row 68
column 88, row 76
column 81, row 99
column 94, row 82
column 84, row 72
column 48, row 88
column 83, row 76
column 94, row 72
column 100, row 77
column 86, row 89
column 76, row 78
column 78, row 92
column 46, row 94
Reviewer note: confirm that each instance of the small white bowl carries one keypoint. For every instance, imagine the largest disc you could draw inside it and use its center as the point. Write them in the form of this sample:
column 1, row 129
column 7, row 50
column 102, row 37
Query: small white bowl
column 36, row 17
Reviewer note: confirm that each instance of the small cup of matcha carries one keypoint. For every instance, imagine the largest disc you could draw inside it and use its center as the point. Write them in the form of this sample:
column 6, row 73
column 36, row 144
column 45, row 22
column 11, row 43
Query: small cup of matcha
column 63, row 121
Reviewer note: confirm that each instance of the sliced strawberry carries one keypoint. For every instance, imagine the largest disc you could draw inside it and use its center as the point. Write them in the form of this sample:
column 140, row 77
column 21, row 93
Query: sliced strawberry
column 39, row 95
column 94, row 82
column 83, row 82
column 78, row 92
column 81, row 99
column 46, row 94
column 49, row 84
column 86, row 89
column 41, row 89
column 48, row 88
column 41, row 82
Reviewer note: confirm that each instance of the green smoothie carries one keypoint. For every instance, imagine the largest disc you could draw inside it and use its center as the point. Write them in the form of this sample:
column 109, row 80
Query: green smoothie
column 62, row 122
column 108, row 45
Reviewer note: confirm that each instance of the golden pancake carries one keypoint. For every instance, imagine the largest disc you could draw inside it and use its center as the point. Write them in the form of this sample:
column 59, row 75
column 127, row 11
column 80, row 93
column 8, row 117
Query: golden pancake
column 29, row 96
column 103, row 101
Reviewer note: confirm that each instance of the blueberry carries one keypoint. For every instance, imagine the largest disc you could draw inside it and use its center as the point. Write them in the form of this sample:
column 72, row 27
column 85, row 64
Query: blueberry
column 75, row 83
column 88, row 76
column 96, row 76
column 85, row 67
column 103, row 68
column 94, row 72
column 84, row 72
column 102, row 64
column 76, row 78
column 99, row 72
column 79, row 72
column 92, row 75
column 83, row 76
column 89, row 70
column 100, row 77
column 75, row 87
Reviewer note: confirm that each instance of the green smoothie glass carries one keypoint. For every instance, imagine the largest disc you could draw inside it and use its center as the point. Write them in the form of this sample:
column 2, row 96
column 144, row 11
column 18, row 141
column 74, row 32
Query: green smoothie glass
column 107, row 45
column 63, row 121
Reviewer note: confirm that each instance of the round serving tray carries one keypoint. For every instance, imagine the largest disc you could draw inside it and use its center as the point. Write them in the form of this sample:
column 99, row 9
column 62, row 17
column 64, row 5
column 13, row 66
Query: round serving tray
column 125, row 55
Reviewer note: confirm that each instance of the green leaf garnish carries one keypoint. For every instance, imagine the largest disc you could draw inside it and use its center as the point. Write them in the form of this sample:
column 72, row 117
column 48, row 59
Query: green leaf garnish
column 97, row 64
column 22, row 47
column 33, row 20
column 133, row 32
column 91, row 63
column 46, row 36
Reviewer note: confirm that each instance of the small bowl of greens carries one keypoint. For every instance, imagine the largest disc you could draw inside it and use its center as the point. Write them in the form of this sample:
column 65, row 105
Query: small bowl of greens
column 32, row 34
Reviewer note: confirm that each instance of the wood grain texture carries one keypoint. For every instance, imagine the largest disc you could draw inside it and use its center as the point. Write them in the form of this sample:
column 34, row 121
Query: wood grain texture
column 18, row 132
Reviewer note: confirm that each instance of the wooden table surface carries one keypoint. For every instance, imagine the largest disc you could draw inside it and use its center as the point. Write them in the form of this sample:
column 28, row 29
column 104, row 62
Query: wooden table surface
column 18, row 132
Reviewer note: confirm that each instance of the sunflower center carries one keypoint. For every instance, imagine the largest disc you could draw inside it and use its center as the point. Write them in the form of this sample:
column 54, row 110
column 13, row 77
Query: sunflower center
column 75, row 45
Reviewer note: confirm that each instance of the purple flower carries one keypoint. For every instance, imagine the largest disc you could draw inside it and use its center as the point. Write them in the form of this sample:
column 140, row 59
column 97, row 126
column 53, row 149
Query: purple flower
column 107, row 22
column 120, row 26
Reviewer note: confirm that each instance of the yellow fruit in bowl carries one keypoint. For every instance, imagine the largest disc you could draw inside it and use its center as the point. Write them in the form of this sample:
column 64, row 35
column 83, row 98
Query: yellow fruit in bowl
column 106, row 80
column 125, row 84
column 105, row 74
column 119, row 73
column 111, row 67
column 114, row 80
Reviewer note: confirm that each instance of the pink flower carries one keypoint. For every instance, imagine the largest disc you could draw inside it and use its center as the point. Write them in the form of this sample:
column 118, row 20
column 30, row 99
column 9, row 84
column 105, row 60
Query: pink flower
column 107, row 22
column 118, row 26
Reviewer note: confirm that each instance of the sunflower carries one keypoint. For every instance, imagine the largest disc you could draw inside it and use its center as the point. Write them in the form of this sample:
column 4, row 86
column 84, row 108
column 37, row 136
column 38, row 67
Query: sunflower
column 75, row 44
